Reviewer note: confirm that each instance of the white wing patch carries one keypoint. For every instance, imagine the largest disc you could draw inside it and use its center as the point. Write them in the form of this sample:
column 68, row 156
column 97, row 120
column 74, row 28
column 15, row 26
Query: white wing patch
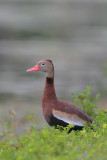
column 68, row 118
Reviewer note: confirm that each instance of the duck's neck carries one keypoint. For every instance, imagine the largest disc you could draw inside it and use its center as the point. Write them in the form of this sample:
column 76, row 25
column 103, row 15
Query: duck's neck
column 49, row 90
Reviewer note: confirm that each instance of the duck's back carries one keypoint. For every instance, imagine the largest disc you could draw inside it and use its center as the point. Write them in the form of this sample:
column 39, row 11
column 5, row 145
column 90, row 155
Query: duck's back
column 62, row 113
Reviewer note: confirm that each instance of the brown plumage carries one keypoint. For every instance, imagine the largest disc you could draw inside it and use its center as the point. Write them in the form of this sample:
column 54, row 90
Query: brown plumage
column 58, row 112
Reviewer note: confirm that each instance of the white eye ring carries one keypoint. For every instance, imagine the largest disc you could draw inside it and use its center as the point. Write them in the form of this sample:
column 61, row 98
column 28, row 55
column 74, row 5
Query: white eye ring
column 43, row 64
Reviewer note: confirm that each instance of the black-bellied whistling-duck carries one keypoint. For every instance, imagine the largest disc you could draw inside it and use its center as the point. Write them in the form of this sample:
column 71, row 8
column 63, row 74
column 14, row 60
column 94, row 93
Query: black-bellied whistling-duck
column 57, row 112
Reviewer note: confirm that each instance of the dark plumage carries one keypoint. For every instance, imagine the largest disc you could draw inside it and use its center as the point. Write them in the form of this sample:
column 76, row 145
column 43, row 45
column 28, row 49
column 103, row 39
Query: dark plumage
column 58, row 112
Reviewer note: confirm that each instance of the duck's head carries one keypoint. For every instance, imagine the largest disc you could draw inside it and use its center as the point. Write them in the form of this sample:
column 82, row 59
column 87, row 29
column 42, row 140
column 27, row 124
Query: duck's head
column 44, row 66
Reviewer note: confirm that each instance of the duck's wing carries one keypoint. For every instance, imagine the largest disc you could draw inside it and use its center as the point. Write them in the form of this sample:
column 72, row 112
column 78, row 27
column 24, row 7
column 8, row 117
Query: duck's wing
column 70, row 114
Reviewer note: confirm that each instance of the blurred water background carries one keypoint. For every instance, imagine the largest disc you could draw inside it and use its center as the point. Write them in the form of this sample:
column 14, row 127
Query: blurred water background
column 72, row 33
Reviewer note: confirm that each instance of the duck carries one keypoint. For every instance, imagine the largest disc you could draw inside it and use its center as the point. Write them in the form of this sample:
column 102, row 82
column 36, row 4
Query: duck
column 58, row 112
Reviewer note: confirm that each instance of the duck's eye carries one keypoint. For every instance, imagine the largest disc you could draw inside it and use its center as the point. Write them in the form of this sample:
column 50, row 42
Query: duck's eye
column 43, row 64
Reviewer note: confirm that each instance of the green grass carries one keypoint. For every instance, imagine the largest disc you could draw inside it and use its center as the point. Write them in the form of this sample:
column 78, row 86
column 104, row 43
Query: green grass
column 51, row 144
column 86, row 101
